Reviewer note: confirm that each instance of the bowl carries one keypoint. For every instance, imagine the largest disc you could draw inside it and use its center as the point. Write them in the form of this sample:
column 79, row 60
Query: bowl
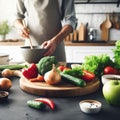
column 32, row 55
column 106, row 78
column 90, row 106
column 4, row 95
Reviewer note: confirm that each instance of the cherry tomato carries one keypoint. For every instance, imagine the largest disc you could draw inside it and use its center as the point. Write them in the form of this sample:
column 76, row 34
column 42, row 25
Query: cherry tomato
column 66, row 68
column 110, row 70
column 88, row 76
column 61, row 68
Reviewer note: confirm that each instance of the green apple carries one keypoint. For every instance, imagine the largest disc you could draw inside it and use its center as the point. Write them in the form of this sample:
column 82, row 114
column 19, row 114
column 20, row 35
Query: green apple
column 111, row 92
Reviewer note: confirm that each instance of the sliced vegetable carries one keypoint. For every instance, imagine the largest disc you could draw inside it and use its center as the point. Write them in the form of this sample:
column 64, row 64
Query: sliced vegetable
column 47, row 101
column 39, row 78
column 74, row 80
column 110, row 70
column 88, row 76
column 31, row 71
column 35, row 104
column 12, row 67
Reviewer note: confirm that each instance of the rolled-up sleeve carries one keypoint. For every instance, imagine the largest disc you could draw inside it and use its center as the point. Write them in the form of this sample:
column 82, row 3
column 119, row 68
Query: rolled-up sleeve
column 68, row 13
column 20, row 10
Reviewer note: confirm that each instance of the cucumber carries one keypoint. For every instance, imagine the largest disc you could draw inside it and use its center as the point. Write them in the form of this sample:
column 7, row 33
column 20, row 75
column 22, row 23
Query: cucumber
column 75, row 81
column 12, row 67
column 36, row 104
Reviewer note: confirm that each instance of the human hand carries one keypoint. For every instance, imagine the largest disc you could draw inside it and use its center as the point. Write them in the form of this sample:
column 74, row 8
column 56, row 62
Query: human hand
column 24, row 32
column 50, row 46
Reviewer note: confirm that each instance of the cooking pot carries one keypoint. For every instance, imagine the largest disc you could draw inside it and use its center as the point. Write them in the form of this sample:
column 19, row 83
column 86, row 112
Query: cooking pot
column 4, row 59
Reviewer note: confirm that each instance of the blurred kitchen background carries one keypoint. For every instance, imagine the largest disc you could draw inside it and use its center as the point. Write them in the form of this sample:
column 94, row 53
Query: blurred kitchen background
column 90, row 13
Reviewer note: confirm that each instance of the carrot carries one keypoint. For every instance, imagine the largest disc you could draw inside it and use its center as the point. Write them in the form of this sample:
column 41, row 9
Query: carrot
column 39, row 78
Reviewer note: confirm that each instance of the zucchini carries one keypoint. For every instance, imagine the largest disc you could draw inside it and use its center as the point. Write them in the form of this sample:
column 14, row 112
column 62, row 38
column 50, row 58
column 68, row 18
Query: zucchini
column 12, row 67
column 74, row 80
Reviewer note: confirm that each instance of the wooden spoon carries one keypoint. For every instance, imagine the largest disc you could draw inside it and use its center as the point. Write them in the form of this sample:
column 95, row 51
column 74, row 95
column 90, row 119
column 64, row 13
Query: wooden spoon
column 107, row 23
column 105, row 26
column 31, row 46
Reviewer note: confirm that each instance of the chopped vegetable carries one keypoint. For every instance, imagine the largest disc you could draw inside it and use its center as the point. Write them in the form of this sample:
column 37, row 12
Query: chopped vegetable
column 39, row 78
column 36, row 104
column 31, row 71
column 12, row 67
column 47, row 101
column 45, row 64
column 88, row 76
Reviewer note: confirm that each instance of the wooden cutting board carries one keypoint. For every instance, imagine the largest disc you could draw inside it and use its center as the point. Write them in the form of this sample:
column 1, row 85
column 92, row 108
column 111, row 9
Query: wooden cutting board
column 62, row 90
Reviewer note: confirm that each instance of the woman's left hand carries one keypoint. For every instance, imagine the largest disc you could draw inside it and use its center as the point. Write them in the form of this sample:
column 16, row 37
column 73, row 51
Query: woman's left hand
column 50, row 45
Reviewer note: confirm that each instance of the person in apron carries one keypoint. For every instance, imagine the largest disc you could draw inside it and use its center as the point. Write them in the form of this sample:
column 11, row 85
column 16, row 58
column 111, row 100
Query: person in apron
column 48, row 23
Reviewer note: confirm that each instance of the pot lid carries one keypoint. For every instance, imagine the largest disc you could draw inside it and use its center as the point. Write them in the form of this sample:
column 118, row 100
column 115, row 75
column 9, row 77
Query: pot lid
column 3, row 55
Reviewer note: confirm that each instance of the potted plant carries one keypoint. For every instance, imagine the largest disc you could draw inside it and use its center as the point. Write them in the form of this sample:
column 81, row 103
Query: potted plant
column 4, row 29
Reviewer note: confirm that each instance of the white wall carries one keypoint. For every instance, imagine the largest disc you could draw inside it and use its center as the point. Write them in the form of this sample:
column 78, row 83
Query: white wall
column 94, row 14
column 7, row 9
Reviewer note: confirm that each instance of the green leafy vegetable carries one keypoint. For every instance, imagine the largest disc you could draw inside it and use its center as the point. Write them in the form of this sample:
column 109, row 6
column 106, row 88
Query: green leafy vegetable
column 117, row 55
column 96, row 64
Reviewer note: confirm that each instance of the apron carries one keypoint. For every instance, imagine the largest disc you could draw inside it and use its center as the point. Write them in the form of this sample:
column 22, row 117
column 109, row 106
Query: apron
column 44, row 22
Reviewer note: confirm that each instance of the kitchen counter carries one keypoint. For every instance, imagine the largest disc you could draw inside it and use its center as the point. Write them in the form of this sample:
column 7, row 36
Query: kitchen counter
column 18, row 42
column 15, row 108
column 87, row 43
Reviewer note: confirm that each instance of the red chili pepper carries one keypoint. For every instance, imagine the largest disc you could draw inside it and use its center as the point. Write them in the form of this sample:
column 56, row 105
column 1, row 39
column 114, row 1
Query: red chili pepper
column 47, row 101
column 31, row 71
column 88, row 76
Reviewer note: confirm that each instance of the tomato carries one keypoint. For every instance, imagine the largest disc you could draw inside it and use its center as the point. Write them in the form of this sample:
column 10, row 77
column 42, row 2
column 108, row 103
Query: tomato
column 110, row 70
column 61, row 67
column 66, row 68
column 88, row 76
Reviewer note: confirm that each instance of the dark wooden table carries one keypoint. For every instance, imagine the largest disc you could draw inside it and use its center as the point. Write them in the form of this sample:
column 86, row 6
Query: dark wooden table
column 16, row 108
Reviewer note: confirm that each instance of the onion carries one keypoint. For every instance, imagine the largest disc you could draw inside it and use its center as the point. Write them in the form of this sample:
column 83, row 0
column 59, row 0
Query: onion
column 52, row 77
column 5, row 84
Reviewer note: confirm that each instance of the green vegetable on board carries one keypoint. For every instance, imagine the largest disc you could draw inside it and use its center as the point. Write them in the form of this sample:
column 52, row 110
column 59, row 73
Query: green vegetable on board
column 76, row 72
column 45, row 64
column 74, row 80
column 36, row 104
